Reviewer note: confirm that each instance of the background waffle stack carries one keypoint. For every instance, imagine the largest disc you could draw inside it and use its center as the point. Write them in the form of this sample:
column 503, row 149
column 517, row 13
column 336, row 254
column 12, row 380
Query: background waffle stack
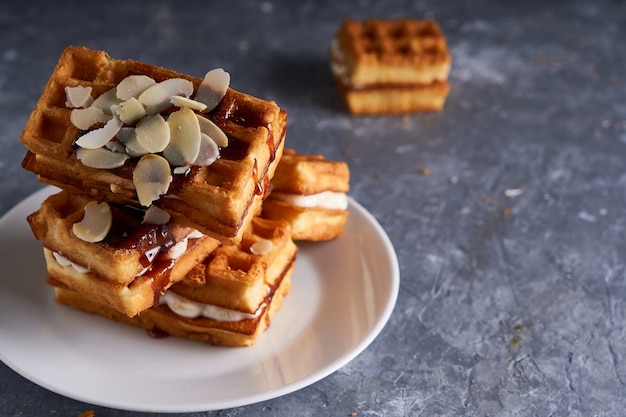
column 204, row 209
column 391, row 66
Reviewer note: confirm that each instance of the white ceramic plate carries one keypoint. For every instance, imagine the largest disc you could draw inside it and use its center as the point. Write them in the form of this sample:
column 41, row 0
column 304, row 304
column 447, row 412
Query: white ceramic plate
column 343, row 293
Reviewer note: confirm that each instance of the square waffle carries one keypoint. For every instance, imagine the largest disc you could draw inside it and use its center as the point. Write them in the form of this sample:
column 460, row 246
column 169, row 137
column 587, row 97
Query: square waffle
column 219, row 199
column 238, row 289
column 130, row 267
column 391, row 66
column 309, row 192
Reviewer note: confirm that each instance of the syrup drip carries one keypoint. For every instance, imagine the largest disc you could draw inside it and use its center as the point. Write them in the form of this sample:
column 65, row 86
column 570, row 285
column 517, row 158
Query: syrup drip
column 157, row 333
column 258, row 188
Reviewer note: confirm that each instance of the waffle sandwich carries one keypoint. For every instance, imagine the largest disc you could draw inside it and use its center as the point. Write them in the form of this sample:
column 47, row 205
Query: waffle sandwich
column 130, row 267
column 309, row 192
column 87, row 135
column 228, row 299
column 391, row 66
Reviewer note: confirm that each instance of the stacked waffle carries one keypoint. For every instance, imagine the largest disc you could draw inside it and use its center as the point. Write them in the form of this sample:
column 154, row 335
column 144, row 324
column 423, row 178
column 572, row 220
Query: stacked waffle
column 162, row 178
column 391, row 66
column 310, row 192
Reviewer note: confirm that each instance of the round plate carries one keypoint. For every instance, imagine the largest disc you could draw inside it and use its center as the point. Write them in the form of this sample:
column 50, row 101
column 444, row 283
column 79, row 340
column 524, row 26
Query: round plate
column 343, row 294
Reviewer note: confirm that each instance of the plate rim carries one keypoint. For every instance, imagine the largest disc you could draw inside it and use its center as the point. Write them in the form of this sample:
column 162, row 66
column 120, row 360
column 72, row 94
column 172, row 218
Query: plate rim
column 341, row 360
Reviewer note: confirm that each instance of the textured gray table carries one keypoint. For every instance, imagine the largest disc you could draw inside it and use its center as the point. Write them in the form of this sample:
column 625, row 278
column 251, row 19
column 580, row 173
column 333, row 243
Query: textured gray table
column 509, row 304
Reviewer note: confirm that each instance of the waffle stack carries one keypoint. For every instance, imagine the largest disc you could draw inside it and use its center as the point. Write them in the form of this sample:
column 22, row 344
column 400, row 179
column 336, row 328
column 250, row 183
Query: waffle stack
column 162, row 174
column 218, row 199
column 391, row 66
column 227, row 299
column 310, row 192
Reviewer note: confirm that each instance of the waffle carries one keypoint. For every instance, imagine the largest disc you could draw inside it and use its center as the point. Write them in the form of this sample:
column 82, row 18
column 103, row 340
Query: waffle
column 244, row 290
column 219, row 199
column 124, row 270
column 314, row 177
column 391, row 66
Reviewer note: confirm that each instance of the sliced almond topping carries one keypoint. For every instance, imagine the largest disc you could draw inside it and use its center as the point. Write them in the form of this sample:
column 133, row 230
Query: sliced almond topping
column 115, row 146
column 157, row 98
column 133, row 86
column 212, row 130
column 128, row 137
column 105, row 100
column 213, row 88
column 180, row 101
column 151, row 178
column 184, row 170
column 155, row 215
column 209, row 152
column 97, row 138
column 78, row 96
column 153, row 133
column 184, row 143
column 261, row 247
column 101, row 158
column 87, row 117
column 95, row 224
column 129, row 111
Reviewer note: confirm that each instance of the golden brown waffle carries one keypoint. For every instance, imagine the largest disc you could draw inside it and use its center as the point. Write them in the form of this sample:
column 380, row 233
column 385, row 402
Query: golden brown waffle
column 219, row 199
column 391, row 66
column 232, row 278
column 300, row 175
column 124, row 270
column 161, row 322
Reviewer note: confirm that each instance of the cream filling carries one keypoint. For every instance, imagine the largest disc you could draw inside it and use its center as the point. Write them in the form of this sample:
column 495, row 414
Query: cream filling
column 326, row 199
column 63, row 261
column 193, row 309
column 338, row 63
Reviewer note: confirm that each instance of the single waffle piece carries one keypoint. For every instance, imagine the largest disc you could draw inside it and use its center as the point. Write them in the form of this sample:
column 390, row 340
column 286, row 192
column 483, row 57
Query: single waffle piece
column 228, row 299
column 309, row 192
column 218, row 199
column 391, row 66
column 130, row 267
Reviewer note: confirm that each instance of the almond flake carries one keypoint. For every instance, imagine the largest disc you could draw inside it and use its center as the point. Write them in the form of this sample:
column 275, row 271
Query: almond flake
column 105, row 100
column 209, row 152
column 132, row 86
column 184, row 145
column 180, row 101
column 184, row 170
column 87, row 117
column 213, row 88
column 153, row 133
column 101, row 158
column 129, row 111
column 128, row 137
column 213, row 131
column 513, row 192
column 97, row 138
column 261, row 247
column 155, row 215
column 157, row 98
column 78, row 96
column 151, row 178
column 96, row 222
column 115, row 146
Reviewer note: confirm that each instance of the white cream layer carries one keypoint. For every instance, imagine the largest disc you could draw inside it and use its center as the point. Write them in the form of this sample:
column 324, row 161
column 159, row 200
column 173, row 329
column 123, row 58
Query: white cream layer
column 193, row 309
column 326, row 199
